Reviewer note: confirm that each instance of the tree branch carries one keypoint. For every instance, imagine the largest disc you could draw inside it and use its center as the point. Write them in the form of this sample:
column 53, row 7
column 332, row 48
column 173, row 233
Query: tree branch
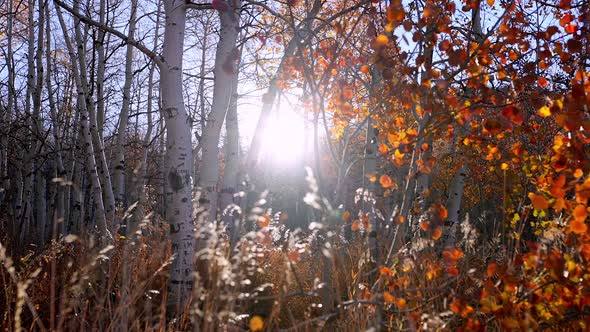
column 198, row 6
column 153, row 56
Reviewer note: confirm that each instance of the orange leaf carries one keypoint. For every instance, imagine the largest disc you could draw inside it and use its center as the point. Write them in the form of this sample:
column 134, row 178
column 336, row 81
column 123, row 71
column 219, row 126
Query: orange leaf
column 385, row 181
column 580, row 213
column 578, row 227
column 539, row 202
column 425, row 226
column 437, row 234
column 345, row 216
column 400, row 219
column 578, row 173
column 385, row 271
column 356, row 225
column 387, row 297
column 559, row 204
column 293, row 256
column 382, row 40
column 400, row 302
column 264, row 220
column 443, row 213
column 542, row 81
column 491, row 270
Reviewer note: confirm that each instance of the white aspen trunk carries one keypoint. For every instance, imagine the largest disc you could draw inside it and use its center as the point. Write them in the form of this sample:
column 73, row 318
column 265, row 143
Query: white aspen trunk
column 200, row 102
column 100, row 69
column 139, row 180
column 119, row 163
column 368, row 202
column 28, row 163
column 108, row 200
column 232, row 166
column 454, row 205
column 40, row 185
column 226, row 57
column 73, row 194
column 177, row 170
column 101, row 222
column 59, row 210
column 77, row 191
column 457, row 187
column 7, row 115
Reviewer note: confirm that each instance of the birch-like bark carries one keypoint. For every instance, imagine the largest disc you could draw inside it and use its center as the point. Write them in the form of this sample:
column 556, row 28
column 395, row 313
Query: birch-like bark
column 458, row 184
column 119, row 165
column 232, row 167
column 102, row 166
column 226, row 58
column 7, row 115
column 178, row 158
column 59, row 211
column 368, row 201
column 100, row 70
column 27, row 170
column 101, row 222
column 40, row 185
column 454, row 205
column 200, row 102
column 138, row 192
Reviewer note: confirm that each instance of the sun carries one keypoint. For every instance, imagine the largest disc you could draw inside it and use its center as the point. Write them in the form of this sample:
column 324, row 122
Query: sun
column 285, row 137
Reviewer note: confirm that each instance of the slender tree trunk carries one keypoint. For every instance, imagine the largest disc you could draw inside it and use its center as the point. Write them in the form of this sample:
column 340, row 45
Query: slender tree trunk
column 232, row 166
column 40, row 185
column 101, row 221
column 369, row 200
column 59, row 164
column 454, row 205
column 201, row 101
column 28, row 163
column 139, row 195
column 100, row 70
column 119, row 165
column 7, row 115
column 226, row 58
column 178, row 158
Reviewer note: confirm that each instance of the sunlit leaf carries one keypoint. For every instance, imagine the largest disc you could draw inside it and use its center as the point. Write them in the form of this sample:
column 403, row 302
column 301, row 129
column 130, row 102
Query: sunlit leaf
column 256, row 323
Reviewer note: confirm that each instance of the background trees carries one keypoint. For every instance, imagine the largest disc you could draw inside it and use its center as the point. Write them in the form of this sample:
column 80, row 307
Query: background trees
column 426, row 127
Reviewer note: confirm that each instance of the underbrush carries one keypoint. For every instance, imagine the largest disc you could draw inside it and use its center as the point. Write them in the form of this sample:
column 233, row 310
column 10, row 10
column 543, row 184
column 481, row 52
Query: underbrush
column 308, row 280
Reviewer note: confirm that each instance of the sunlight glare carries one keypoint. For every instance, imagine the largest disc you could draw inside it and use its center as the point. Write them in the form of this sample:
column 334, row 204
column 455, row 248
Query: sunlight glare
column 285, row 137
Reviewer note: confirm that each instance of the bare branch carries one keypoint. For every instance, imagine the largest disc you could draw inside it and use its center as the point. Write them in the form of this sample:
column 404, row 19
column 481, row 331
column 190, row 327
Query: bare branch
column 150, row 54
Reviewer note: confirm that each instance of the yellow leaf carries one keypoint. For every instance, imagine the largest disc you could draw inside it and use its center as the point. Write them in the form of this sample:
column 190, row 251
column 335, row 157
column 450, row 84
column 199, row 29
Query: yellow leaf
column 504, row 166
column 256, row 323
column 544, row 111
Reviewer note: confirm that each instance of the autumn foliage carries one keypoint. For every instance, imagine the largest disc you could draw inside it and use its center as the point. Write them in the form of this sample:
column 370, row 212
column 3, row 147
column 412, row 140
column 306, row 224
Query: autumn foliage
column 475, row 122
